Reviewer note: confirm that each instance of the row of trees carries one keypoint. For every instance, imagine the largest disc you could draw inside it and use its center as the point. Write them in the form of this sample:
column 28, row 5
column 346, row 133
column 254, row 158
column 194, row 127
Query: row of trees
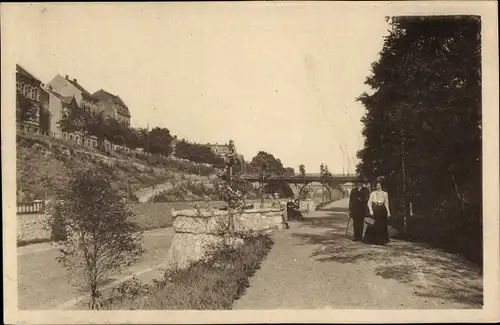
column 422, row 128
column 156, row 141
column 159, row 141
column 198, row 153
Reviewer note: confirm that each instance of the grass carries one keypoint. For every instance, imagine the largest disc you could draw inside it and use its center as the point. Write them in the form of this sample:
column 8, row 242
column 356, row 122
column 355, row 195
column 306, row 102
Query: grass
column 147, row 216
column 213, row 284
column 32, row 241
column 156, row 215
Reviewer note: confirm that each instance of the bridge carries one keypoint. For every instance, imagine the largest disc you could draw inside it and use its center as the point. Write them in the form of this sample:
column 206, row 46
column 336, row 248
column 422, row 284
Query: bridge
column 306, row 179
column 300, row 182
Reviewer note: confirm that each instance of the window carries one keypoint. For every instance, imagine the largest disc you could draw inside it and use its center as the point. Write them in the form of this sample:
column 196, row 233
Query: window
column 26, row 90
column 34, row 94
column 19, row 86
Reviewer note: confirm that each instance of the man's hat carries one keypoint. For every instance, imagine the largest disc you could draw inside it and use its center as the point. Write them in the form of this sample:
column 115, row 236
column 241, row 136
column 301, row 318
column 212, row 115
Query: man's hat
column 359, row 180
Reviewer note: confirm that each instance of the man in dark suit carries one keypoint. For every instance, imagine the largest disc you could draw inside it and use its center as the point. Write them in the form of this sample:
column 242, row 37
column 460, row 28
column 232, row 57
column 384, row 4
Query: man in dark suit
column 358, row 201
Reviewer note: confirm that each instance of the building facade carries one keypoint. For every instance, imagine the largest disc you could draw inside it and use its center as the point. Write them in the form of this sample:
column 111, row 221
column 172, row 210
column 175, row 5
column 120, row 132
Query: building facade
column 219, row 149
column 55, row 112
column 67, row 87
column 112, row 106
column 28, row 105
column 59, row 106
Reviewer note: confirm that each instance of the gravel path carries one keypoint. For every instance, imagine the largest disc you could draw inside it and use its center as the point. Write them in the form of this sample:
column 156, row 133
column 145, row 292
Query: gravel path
column 315, row 266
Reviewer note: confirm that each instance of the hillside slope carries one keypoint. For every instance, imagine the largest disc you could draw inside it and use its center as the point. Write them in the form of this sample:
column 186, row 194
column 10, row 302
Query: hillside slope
column 43, row 164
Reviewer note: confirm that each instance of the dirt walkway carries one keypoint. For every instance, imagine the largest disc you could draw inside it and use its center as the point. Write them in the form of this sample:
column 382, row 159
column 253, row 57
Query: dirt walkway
column 43, row 283
column 144, row 194
column 315, row 266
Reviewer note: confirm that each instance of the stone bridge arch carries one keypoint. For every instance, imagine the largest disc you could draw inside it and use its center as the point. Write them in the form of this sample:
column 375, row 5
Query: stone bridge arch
column 323, row 184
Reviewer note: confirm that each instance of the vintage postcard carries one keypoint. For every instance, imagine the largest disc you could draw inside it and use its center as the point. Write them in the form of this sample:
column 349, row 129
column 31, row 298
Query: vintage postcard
column 250, row 162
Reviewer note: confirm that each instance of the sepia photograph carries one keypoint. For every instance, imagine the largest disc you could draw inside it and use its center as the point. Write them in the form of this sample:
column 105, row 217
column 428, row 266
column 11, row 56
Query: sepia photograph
column 267, row 159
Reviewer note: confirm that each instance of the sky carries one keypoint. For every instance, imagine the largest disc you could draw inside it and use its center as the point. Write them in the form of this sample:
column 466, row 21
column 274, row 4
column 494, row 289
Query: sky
column 277, row 77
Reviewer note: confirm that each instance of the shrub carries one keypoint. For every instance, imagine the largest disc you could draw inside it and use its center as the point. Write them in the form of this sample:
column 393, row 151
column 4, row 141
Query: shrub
column 100, row 239
column 212, row 284
column 57, row 227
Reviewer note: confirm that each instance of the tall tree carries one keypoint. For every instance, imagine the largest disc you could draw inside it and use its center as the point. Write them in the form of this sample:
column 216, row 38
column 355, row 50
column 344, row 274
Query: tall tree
column 234, row 187
column 160, row 141
column 264, row 161
column 302, row 170
column 422, row 128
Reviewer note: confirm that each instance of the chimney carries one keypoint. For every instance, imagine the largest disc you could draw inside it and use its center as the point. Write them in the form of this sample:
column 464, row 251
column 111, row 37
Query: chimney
column 74, row 80
column 67, row 77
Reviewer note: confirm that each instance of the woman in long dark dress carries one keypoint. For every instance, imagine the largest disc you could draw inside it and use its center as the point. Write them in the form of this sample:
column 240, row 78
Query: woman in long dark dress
column 378, row 205
column 298, row 214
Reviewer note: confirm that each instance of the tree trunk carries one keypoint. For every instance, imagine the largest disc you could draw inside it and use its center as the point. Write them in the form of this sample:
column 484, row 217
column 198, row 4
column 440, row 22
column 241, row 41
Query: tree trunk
column 94, row 297
column 457, row 192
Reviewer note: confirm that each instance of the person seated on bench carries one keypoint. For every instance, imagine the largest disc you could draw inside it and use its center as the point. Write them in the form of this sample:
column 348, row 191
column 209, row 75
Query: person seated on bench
column 298, row 214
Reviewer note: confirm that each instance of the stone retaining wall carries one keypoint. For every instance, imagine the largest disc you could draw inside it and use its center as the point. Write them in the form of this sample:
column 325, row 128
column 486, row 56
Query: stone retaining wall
column 31, row 227
column 198, row 231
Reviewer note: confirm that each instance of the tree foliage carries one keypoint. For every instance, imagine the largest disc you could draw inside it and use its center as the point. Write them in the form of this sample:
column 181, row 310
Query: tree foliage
column 99, row 237
column 302, row 170
column 198, row 153
column 26, row 110
column 234, row 187
column 157, row 141
column 160, row 141
column 424, row 115
column 44, row 120
column 266, row 162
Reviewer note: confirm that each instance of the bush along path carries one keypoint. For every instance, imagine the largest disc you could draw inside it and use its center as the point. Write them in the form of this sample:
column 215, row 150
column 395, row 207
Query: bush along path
column 314, row 265
column 211, row 284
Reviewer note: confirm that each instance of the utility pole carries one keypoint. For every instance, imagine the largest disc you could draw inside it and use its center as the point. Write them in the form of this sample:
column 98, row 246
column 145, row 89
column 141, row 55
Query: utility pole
column 147, row 138
column 343, row 160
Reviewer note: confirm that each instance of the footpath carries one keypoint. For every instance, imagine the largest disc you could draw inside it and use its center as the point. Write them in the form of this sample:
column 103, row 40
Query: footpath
column 314, row 265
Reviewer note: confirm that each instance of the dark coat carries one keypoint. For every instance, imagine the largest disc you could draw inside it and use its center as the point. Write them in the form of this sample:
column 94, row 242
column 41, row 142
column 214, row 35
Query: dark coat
column 358, row 202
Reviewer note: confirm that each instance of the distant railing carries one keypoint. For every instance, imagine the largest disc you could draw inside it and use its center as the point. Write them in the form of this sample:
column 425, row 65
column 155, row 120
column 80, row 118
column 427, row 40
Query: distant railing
column 31, row 208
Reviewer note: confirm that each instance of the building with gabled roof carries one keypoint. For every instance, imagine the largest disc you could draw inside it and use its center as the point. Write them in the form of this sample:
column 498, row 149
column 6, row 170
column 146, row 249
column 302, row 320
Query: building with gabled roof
column 112, row 105
column 67, row 87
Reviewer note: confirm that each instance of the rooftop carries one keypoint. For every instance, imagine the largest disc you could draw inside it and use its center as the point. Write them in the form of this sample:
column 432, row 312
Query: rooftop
column 64, row 99
column 25, row 72
column 75, row 83
column 103, row 94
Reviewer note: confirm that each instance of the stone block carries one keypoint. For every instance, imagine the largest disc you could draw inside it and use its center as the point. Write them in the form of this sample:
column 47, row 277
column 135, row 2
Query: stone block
column 197, row 231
